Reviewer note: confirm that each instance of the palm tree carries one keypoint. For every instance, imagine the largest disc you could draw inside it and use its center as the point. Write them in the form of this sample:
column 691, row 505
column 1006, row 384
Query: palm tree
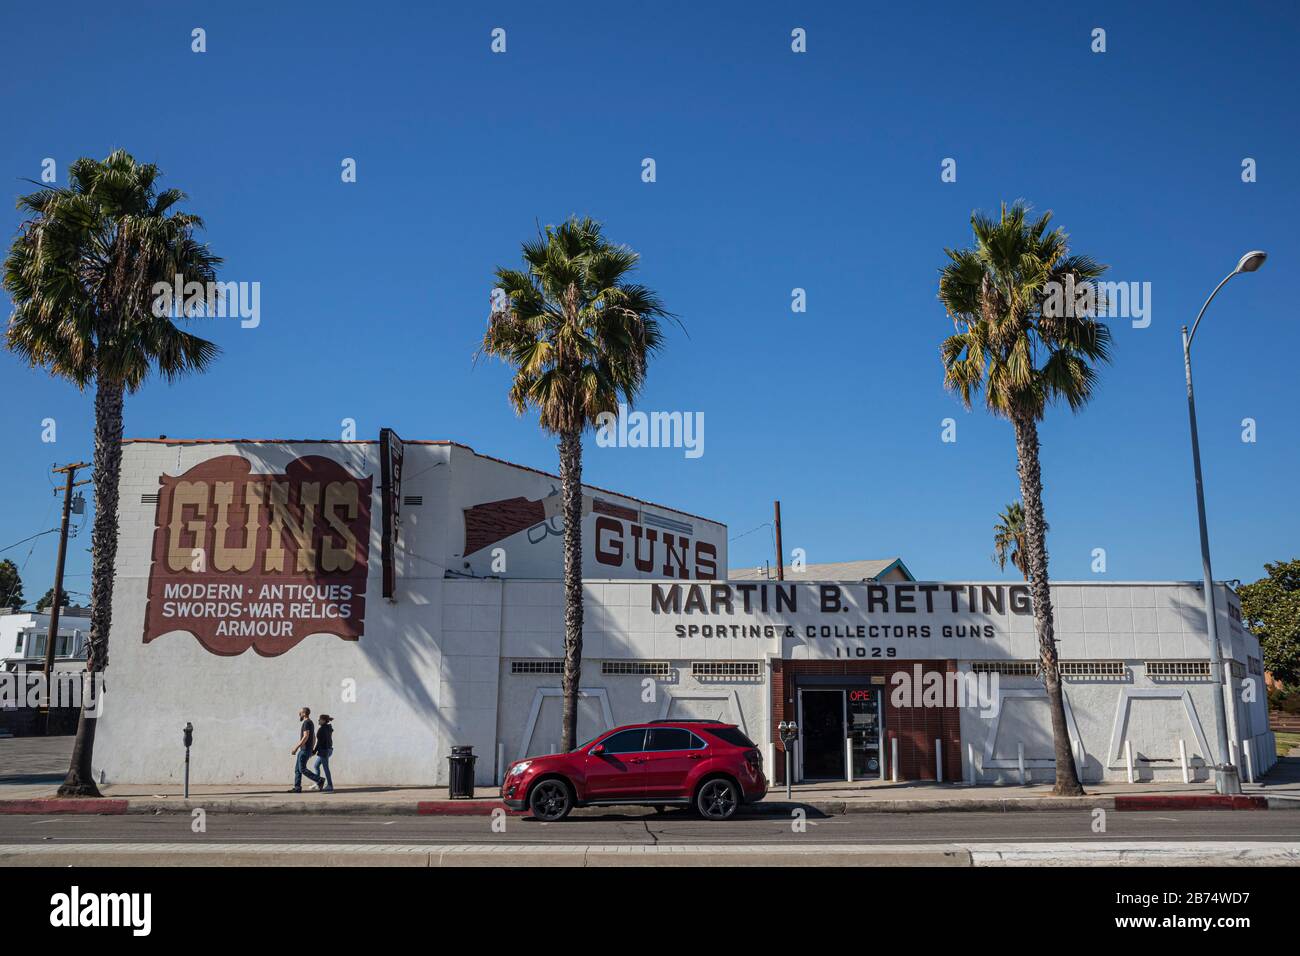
column 1009, row 539
column 81, row 272
column 579, row 336
column 1024, row 357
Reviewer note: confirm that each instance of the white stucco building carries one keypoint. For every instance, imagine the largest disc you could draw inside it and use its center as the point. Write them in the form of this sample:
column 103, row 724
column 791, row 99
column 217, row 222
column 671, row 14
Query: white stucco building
column 23, row 635
column 252, row 577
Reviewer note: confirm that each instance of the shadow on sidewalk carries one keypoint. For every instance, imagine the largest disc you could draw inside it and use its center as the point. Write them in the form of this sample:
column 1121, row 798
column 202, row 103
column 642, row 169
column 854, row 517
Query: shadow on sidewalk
column 1284, row 773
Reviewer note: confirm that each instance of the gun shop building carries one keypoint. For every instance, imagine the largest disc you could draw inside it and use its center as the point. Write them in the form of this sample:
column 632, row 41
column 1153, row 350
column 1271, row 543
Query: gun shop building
column 412, row 591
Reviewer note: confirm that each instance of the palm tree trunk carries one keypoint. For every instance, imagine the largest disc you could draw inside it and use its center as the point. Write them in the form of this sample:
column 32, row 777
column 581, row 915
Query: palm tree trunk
column 571, row 490
column 1031, row 493
column 80, row 781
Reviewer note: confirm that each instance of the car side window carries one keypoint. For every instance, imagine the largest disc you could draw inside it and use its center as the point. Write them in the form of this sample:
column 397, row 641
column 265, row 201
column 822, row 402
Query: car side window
column 670, row 738
column 625, row 742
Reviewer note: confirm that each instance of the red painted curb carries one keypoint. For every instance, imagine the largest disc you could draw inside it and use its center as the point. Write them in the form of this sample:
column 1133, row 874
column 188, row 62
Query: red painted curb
column 461, row 808
column 1209, row 801
column 44, row 805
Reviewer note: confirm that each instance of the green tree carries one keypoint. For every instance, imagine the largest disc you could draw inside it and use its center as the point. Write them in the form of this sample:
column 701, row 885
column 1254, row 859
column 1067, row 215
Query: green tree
column 81, row 273
column 11, row 586
column 47, row 600
column 578, row 335
column 1271, row 609
column 1024, row 357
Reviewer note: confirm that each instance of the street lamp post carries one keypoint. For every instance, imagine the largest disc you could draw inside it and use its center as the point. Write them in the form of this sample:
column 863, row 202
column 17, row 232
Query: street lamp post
column 1226, row 778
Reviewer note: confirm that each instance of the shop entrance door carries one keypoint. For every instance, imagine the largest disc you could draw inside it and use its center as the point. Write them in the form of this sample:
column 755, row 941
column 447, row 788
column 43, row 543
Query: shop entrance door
column 821, row 732
column 865, row 712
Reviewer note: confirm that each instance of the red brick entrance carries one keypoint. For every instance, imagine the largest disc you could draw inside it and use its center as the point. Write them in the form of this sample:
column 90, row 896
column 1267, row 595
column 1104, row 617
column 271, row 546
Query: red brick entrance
column 916, row 728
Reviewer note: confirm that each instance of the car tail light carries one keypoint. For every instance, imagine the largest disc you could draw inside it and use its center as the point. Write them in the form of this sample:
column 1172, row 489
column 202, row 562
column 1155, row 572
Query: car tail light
column 755, row 760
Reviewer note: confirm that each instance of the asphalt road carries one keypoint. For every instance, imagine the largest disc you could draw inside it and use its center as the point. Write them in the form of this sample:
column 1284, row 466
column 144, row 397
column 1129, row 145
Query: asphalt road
column 672, row 827
column 34, row 759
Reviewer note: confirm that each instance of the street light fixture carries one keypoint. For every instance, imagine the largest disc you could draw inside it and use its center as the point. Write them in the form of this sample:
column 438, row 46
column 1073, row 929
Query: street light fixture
column 1226, row 778
column 1252, row 261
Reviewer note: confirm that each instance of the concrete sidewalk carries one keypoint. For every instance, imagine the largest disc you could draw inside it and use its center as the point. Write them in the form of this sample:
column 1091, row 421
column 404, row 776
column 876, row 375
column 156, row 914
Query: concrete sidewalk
column 1102, row 853
column 1279, row 790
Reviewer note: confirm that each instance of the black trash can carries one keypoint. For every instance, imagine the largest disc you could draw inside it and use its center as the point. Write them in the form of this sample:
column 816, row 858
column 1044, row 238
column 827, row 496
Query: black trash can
column 462, row 773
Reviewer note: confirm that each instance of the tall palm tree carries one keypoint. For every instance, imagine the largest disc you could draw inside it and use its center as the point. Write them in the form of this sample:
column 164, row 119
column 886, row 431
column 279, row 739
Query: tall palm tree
column 1024, row 357
column 579, row 336
column 80, row 272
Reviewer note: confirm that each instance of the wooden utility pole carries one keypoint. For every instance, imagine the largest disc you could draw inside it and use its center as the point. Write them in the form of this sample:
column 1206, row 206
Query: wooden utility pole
column 52, row 634
column 780, row 562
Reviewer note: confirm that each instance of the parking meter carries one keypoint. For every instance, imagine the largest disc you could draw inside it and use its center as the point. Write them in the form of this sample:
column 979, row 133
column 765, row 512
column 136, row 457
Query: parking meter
column 789, row 731
column 187, row 736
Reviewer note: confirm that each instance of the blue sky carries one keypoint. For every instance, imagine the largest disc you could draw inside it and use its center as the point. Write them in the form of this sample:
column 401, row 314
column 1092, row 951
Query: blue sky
column 775, row 170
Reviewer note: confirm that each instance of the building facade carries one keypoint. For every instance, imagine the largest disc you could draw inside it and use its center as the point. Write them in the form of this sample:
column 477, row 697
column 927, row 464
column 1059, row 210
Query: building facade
column 23, row 635
column 411, row 591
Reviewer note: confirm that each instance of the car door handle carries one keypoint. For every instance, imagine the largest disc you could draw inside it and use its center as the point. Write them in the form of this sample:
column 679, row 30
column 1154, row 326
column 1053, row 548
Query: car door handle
column 637, row 760
column 692, row 756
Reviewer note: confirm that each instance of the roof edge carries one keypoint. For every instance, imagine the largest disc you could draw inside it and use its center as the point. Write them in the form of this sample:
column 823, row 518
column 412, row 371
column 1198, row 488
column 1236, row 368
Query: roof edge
column 375, row 441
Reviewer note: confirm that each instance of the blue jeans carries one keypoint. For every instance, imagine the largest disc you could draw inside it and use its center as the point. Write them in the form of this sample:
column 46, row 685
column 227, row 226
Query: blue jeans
column 300, row 770
column 323, row 766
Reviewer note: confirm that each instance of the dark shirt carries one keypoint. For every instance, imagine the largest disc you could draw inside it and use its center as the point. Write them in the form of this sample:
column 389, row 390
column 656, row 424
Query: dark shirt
column 324, row 738
column 309, row 729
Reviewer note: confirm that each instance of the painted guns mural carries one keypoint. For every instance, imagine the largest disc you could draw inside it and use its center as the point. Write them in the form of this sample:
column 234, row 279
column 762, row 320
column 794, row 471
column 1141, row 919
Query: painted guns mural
column 655, row 545
column 262, row 561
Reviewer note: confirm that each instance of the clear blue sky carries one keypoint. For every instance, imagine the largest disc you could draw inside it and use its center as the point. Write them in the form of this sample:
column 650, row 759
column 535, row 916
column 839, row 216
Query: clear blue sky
column 775, row 171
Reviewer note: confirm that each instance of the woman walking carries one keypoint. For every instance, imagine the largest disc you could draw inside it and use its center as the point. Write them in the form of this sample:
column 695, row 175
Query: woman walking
column 324, row 748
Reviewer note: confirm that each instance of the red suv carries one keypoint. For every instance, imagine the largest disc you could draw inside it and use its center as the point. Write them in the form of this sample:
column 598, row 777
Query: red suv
column 702, row 763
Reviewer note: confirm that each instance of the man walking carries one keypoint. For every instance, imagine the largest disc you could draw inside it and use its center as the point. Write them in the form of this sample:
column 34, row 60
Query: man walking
column 306, row 744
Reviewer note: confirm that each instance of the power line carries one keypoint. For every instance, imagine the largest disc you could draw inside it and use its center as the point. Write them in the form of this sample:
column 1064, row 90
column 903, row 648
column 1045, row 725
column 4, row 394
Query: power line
column 25, row 540
column 765, row 524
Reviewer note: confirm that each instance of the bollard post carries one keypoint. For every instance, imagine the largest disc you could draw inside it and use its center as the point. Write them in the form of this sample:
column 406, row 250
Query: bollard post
column 501, row 763
column 1128, row 759
column 938, row 761
column 1020, row 759
column 848, row 759
column 970, row 759
column 1249, row 760
column 893, row 758
column 1182, row 758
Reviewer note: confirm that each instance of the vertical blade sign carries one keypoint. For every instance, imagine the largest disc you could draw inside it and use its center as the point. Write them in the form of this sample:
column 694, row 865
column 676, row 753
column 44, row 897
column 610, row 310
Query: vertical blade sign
column 390, row 477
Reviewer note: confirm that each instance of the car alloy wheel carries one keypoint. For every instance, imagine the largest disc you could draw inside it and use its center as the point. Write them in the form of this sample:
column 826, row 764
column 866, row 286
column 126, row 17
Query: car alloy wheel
column 550, row 801
column 717, row 800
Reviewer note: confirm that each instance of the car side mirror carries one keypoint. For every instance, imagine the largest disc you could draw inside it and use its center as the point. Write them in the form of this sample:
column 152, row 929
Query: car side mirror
column 597, row 750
